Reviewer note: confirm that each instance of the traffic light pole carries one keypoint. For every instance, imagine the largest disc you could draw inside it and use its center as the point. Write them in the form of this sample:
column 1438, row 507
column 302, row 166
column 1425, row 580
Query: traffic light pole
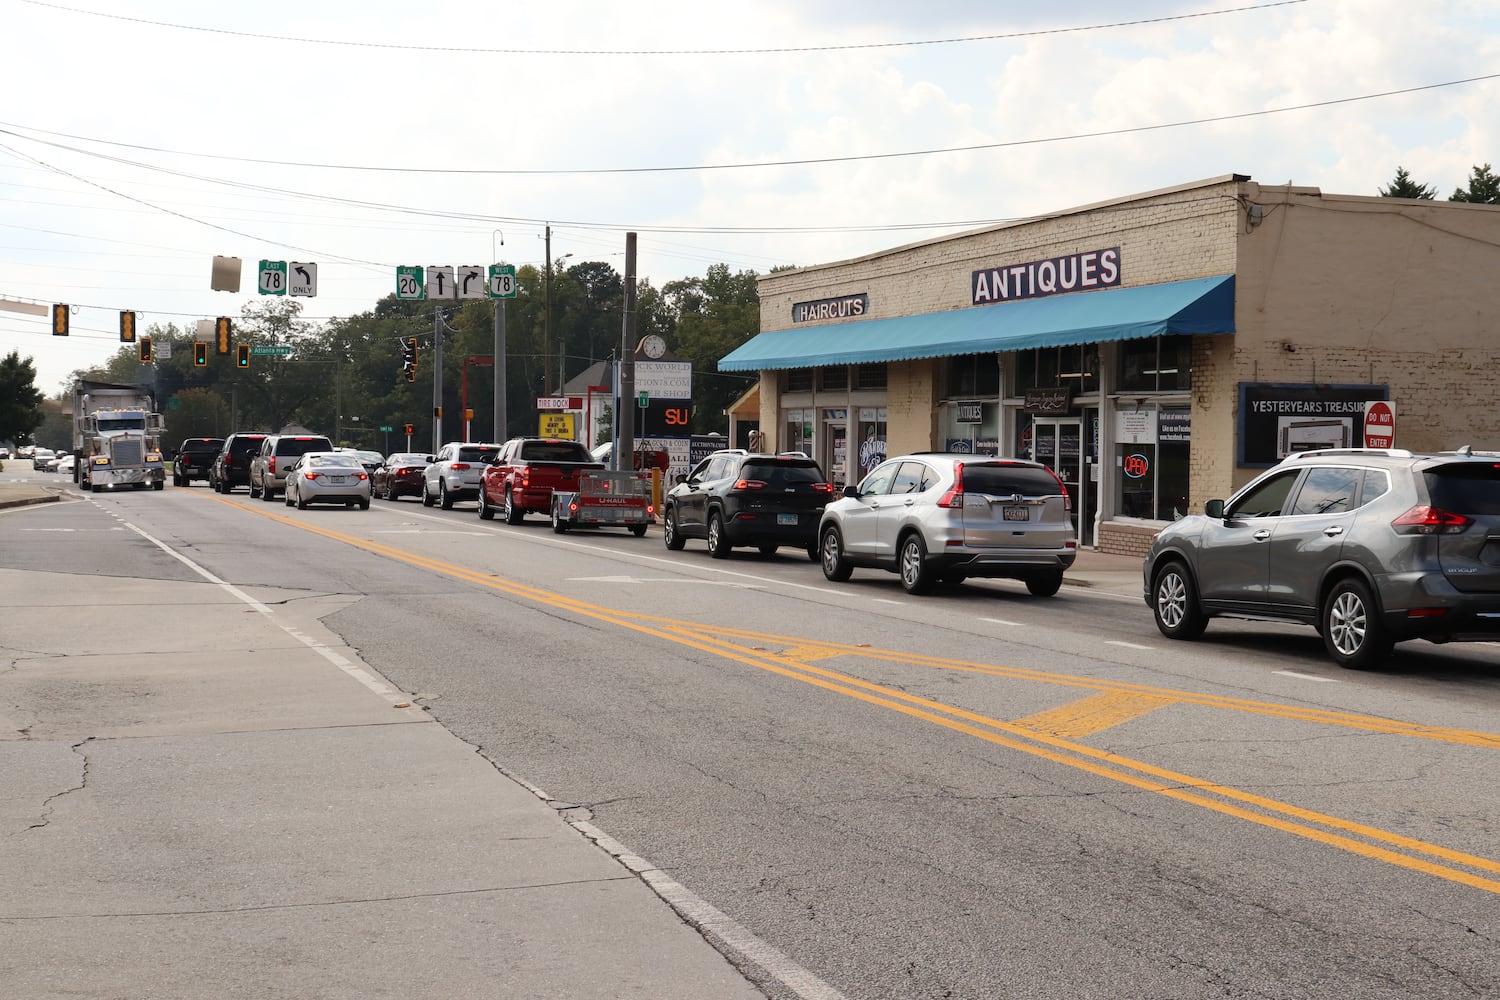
column 437, row 379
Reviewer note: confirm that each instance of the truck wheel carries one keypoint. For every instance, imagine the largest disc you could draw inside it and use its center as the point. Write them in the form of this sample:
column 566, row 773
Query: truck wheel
column 513, row 514
column 559, row 525
column 638, row 530
column 160, row 484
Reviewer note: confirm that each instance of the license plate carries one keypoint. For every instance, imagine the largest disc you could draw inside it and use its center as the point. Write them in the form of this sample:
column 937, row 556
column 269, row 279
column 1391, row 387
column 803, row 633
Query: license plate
column 1017, row 514
column 338, row 480
column 786, row 518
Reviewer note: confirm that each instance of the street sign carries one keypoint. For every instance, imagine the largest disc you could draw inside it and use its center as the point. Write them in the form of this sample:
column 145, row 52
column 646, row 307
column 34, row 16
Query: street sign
column 386, row 430
column 502, row 281
column 1380, row 424
column 557, row 425
column 409, row 282
column 471, row 284
column 302, row 279
column 643, row 399
column 440, row 282
column 273, row 277
column 270, row 349
column 556, row 403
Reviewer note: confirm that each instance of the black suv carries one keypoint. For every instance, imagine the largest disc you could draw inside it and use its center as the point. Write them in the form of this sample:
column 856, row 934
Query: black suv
column 195, row 459
column 738, row 498
column 1368, row 546
column 232, row 466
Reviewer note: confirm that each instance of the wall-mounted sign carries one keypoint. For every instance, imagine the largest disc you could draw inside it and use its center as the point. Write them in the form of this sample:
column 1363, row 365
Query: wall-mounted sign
column 841, row 307
column 1074, row 272
column 1174, row 426
column 1137, row 426
column 969, row 411
column 665, row 379
column 1048, row 402
column 1279, row 419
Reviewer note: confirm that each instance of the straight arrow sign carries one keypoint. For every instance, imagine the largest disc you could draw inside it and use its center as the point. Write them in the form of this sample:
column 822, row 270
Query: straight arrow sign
column 440, row 281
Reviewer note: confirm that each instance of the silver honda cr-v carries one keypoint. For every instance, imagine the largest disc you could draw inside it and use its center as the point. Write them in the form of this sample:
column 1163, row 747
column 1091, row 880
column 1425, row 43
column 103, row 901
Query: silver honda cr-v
column 1370, row 547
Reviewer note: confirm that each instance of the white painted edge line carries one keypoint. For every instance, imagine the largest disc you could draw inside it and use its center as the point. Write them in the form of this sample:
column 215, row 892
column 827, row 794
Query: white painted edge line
column 705, row 915
column 885, row 600
column 1002, row 621
column 1127, row 645
column 354, row 670
column 1306, row 677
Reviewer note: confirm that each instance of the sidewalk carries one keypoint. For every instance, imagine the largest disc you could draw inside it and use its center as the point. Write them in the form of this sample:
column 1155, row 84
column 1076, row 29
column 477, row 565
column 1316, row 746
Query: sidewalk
column 270, row 819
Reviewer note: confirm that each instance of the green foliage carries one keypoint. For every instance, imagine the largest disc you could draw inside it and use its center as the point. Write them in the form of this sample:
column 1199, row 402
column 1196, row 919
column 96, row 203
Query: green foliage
column 1404, row 187
column 20, row 400
column 195, row 413
column 1484, row 188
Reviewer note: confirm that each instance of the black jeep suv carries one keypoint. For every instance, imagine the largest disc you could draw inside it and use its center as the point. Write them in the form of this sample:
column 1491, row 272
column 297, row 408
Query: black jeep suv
column 232, row 466
column 738, row 498
column 195, row 458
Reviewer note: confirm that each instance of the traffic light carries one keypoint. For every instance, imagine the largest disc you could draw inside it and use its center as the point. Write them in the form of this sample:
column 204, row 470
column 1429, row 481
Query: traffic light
column 145, row 348
column 200, row 353
column 242, row 356
column 127, row 327
column 222, row 331
column 409, row 358
column 60, row 320
column 410, row 429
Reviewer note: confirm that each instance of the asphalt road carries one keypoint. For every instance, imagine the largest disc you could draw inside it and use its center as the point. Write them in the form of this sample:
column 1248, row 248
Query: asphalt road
column 972, row 794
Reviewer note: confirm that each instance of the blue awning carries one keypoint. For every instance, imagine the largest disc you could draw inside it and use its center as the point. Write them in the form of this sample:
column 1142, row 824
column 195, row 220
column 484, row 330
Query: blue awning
column 1200, row 305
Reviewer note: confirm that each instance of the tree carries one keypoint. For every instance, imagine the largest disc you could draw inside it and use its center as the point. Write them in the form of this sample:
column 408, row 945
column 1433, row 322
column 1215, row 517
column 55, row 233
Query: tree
column 1484, row 188
column 1404, row 187
column 196, row 413
column 714, row 315
column 20, row 401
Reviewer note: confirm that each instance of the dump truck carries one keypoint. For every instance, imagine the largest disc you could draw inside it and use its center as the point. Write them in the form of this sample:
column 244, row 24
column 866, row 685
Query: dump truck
column 116, row 437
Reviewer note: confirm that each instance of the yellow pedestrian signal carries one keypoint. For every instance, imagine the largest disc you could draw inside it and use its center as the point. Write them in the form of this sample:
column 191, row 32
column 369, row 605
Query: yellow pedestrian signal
column 145, row 350
column 60, row 320
column 127, row 327
column 200, row 353
column 223, row 329
column 242, row 358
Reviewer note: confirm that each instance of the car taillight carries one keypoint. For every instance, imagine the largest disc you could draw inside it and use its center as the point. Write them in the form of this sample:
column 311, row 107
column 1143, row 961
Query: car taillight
column 1063, row 489
column 271, row 465
column 822, row 487
column 364, row 475
column 955, row 495
column 1425, row 520
column 749, row 484
column 459, row 466
column 310, row 474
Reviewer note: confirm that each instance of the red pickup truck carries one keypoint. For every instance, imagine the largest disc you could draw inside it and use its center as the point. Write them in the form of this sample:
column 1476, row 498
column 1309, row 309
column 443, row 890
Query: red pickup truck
column 527, row 470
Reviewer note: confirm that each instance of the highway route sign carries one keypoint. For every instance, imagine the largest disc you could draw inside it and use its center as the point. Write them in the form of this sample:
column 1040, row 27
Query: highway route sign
column 471, row 284
column 409, row 282
column 302, row 279
column 502, row 281
column 273, row 277
column 440, row 282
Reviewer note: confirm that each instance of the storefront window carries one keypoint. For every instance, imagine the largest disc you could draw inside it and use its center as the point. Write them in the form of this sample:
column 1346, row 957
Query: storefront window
column 869, row 377
column 872, row 447
column 799, row 431
column 1153, row 480
column 1156, row 364
column 1075, row 367
column 973, row 375
column 799, row 380
column 834, row 377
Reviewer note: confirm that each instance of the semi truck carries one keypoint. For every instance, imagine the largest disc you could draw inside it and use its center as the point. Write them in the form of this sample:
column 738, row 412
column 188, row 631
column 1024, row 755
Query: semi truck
column 116, row 437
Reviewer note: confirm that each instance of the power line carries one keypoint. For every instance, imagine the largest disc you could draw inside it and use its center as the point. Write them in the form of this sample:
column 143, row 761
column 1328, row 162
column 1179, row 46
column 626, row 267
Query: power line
column 778, row 50
column 743, row 165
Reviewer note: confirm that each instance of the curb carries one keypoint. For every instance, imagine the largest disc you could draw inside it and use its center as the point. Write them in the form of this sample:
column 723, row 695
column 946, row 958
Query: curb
column 28, row 501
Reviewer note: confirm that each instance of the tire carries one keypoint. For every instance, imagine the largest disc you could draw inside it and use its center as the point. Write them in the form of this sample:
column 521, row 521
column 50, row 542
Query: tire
column 160, row 484
column 427, row 501
column 768, row 550
column 669, row 532
column 1044, row 584
column 558, row 524
column 253, row 491
column 814, row 551
column 1174, row 603
column 513, row 514
column 445, row 501
column 718, row 542
column 268, row 494
column 1353, row 631
column 364, row 505
column 831, row 555
column 638, row 530
column 301, row 503
column 486, row 512
column 917, row 576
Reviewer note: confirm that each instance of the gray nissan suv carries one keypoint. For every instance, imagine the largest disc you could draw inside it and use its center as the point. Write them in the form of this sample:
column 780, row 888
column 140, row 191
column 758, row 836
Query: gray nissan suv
column 1368, row 546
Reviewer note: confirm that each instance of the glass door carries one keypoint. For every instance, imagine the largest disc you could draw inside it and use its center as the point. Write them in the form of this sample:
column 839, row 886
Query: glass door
column 1059, row 444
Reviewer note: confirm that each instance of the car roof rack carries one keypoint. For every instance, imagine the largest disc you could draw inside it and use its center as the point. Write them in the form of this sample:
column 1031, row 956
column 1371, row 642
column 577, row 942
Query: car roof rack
column 1467, row 450
column 1298, row 456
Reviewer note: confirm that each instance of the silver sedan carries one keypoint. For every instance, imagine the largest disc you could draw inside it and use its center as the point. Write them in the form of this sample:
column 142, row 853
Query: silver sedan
column 328, row 477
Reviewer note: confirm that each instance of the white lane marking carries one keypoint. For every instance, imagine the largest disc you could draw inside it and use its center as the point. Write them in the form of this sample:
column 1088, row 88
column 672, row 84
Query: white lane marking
column 886, row 600
column 354, row 670
column 426, row 531
column 701, row 913
column 1002, row 621
column 663, row 579
column 1127, row 645
column 1306, row 677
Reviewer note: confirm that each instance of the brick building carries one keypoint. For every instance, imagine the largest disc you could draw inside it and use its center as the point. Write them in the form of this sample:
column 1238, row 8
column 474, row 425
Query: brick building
column 1156, row 350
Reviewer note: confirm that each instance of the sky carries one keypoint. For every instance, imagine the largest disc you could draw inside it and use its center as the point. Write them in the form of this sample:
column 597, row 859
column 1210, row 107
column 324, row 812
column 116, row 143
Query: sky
column 141, row 138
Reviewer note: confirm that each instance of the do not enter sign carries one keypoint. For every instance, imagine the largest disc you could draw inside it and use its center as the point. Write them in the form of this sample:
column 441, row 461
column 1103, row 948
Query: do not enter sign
column 1380, row 424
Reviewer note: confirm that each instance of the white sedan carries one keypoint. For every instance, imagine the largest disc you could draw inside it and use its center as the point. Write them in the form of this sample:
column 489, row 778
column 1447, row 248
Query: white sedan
column 328, row 477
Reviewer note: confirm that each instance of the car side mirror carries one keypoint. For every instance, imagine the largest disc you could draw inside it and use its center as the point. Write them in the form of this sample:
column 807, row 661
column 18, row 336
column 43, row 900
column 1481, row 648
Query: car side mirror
column 679, row 478
column 851, row 490
column 1214, row 508
column 430, row 459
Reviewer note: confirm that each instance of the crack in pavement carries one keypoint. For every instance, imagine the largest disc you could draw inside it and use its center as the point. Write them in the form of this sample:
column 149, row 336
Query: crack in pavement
column 83, row 780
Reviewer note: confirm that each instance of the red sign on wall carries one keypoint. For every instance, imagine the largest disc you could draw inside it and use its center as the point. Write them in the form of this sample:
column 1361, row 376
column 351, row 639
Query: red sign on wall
column 1380, row 424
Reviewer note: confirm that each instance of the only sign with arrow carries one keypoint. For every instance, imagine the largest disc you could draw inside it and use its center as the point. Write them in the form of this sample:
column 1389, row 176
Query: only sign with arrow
column 302, row 279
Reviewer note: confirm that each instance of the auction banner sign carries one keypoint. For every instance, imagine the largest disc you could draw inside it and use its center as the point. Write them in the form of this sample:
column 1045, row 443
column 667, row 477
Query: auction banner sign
column 1277, row 419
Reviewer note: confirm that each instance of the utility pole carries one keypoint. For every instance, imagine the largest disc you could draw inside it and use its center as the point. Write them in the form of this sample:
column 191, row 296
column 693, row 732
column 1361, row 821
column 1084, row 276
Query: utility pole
column 547, row 318
column 437, row 379
column 624, row 446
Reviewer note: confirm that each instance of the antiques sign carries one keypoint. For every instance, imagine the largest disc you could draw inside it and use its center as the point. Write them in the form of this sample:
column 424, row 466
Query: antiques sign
column 1074, row 272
